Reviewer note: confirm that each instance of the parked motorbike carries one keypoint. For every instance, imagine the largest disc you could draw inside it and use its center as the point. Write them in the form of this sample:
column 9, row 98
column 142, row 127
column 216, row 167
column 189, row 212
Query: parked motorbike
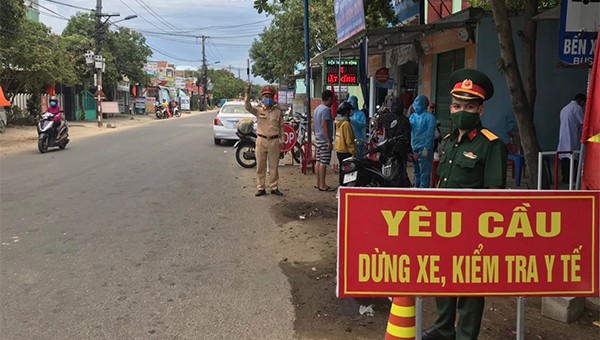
column 2, row 120
column 245, row 147
column 47, row 134
column 175, row 112
column 299, row 122
column 245, row 153
column 388, row 171
column 161, row 112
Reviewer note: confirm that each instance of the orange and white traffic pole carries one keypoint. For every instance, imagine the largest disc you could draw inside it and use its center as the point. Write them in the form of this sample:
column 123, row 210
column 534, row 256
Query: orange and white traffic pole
column 402, row 322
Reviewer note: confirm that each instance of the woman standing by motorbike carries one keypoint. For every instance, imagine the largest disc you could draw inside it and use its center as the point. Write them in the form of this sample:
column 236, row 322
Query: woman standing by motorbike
column 345, row 146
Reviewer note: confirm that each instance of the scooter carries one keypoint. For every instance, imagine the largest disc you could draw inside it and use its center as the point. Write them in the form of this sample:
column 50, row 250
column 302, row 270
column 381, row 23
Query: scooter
column 47, row 135
column 2, row 120
column 161, row 112
column 245, row 153
column 299, row 122
column 175, row 111
column 387, row 171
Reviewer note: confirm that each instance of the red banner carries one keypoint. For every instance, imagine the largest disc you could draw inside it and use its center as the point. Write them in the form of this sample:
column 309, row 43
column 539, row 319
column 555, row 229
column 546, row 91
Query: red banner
column 395, row 242
column 590, row 135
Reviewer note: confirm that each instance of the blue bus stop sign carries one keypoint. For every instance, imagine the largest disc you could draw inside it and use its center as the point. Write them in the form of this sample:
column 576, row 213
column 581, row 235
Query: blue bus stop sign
column 579, row 23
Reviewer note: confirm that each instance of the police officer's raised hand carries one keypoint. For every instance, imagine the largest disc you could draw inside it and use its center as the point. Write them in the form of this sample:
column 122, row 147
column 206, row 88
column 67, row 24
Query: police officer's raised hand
column 248, row 88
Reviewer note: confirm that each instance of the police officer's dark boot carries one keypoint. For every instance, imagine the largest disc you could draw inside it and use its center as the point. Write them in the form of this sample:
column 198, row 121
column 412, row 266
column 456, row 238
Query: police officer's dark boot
column 276, row 192
column 260, row 193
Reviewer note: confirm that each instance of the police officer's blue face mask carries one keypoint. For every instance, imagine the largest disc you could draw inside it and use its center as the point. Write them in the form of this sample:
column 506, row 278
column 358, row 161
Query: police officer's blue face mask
column 53, row 104
column 268, row 101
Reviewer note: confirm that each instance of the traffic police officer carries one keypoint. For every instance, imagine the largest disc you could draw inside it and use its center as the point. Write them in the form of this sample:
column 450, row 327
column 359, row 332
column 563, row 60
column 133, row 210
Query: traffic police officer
column 474, row 158
column 269, row 129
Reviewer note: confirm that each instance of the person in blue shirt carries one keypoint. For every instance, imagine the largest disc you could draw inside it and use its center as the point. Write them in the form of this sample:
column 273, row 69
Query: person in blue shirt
column 422, row 124
column 359, row 124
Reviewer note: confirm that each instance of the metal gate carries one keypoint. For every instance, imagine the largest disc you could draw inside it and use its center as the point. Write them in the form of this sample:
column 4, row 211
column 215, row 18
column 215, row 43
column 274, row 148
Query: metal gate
column 447, row 63
column 88, row 111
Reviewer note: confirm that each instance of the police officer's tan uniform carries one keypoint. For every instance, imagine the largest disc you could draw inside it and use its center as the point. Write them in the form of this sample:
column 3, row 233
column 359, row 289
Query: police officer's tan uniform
column 474, row 158
column 269, row 129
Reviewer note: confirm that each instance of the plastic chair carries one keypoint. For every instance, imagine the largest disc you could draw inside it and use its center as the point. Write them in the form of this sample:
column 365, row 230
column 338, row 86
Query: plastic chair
column 516, row 161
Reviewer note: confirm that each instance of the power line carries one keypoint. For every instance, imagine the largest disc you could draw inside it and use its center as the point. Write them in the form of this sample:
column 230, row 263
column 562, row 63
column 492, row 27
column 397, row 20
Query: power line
column 217, row 50
column 142, row 17
column 156, row 15
column 54, row 16
column 225, row 27
column 195, row 36
column 69, row 5
column 233, row 45
column 171, row 56
column 51, row 11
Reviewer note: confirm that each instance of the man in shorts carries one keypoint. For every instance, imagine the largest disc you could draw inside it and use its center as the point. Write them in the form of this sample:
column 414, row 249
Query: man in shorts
column 323, row 127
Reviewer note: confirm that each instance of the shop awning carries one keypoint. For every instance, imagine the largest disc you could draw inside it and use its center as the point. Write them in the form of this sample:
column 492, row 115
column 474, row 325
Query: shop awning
column 382, row 39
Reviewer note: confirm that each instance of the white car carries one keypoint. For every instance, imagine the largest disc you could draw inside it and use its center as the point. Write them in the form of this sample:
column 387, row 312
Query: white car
column 225, row 123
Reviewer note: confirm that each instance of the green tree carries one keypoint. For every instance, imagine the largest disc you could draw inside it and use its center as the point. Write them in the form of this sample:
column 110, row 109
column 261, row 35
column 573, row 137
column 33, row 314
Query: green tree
column 521, row 84
column 33, row 58
column 274, row 54
column 125, row 50
column 225, row 84
column 30, row 57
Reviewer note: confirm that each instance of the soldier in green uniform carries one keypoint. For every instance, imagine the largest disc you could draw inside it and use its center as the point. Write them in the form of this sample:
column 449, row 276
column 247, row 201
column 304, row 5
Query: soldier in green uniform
column 473, row 158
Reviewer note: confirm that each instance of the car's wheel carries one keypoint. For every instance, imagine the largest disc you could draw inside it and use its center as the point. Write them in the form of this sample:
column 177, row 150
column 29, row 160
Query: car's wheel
column 246, row 156
column 2, row 126
column 217, row 141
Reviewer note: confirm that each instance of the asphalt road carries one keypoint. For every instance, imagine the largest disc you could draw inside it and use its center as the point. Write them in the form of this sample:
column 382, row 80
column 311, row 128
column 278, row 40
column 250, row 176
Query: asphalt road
column 144, row 233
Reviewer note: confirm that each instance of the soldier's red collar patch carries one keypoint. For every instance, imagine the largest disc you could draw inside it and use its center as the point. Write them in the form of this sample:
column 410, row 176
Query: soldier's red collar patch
column 472, row 134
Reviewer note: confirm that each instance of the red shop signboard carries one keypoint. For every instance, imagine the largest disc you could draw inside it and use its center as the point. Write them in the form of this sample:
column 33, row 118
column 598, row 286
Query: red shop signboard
column 394, row 242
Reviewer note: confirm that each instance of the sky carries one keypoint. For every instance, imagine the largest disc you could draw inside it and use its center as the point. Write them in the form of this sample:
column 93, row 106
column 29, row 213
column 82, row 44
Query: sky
column 172, row 28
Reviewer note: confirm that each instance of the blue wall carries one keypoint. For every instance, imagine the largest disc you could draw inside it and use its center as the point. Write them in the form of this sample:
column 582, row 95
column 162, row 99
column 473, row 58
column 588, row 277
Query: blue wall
column 555, row 86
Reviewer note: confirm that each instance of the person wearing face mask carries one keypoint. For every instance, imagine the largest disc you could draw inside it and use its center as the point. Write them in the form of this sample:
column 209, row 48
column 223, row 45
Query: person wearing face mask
column 359, row 124
column 422, row 128
column 57, row 111
column 345, row 145
column 269, row 129
column 472, row 158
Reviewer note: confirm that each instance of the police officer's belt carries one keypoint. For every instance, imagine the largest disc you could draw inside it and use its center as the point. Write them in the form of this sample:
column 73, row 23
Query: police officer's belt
column 267, row 137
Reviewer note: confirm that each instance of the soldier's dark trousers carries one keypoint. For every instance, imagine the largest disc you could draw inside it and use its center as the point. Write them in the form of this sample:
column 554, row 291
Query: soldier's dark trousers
column 470, row 310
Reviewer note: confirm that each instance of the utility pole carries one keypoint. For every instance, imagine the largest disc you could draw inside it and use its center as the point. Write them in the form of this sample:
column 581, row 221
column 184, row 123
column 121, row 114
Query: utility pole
column 204, row 74
column 96, row 57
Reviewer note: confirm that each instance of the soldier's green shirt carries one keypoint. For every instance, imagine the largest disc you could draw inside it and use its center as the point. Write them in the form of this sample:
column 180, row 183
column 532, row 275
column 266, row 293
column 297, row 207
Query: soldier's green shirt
column 477, row 161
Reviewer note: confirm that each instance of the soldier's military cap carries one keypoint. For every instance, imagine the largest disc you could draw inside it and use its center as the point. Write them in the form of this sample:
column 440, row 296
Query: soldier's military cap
column 267, row 89
column 469, row 84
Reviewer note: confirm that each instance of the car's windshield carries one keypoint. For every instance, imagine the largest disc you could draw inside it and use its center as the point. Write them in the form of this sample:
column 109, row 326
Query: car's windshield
column 233, row 109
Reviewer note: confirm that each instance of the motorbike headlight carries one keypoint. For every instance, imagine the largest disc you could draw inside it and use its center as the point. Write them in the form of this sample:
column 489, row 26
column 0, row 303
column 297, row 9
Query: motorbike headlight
column 348, row 167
